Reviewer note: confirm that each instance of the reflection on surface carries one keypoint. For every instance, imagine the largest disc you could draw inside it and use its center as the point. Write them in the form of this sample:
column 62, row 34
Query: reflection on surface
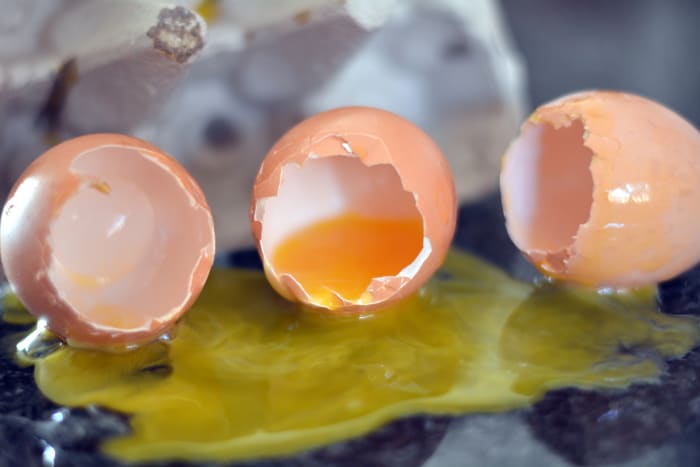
column 250, row 374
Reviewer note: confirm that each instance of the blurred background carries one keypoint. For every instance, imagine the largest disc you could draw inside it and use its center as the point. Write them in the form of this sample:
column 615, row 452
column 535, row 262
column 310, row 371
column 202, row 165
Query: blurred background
column 216, row 82
column 647, row 47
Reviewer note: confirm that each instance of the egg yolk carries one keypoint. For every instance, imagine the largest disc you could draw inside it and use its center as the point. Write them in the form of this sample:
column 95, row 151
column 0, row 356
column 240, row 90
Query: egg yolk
column 344, row 253
column 250, row 374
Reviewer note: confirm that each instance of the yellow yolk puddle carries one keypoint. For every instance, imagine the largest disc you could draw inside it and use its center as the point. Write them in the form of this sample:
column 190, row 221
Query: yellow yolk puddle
column 12, row 310
column 344, row 253
column 251, row 375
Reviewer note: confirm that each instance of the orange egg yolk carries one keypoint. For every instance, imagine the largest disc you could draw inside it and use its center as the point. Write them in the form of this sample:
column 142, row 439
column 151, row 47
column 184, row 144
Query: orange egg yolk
column 346, row 252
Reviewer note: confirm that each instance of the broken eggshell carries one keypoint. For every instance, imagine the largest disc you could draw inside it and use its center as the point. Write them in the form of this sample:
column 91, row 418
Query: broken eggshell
column 108, row 239
column 601, row 189
column 358, row 160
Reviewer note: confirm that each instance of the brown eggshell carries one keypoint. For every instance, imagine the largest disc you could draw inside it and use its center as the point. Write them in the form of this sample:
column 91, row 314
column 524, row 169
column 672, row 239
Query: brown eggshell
column 36, row 201
column 374, row 137
column 603, row 189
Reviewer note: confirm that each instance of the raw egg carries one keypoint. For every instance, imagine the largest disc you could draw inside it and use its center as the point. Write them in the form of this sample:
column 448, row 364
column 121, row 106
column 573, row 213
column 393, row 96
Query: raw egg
column 603, row 189
column 251, row 376
column 352, row 209
column 108, row 239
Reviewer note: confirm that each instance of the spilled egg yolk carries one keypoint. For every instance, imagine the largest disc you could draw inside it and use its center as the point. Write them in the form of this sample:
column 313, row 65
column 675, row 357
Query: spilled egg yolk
column 252, row 375
column 345, row 253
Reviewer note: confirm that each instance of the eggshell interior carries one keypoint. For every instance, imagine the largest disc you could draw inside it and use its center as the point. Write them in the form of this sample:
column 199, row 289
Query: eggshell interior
column 111, row 237
column 551, row 188
column 323, row 188
column 329, row 187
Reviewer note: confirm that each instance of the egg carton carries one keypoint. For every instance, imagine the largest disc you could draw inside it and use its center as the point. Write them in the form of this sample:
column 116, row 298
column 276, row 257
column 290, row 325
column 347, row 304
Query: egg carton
column 215, row 83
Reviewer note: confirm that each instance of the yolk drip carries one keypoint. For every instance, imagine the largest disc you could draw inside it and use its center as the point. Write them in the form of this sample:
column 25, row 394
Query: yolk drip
column 344, row 253
column 252, row 375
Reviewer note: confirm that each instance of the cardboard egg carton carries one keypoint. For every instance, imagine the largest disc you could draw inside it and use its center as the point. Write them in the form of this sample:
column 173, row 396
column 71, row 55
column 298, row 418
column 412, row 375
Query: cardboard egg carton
column 215, row 83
